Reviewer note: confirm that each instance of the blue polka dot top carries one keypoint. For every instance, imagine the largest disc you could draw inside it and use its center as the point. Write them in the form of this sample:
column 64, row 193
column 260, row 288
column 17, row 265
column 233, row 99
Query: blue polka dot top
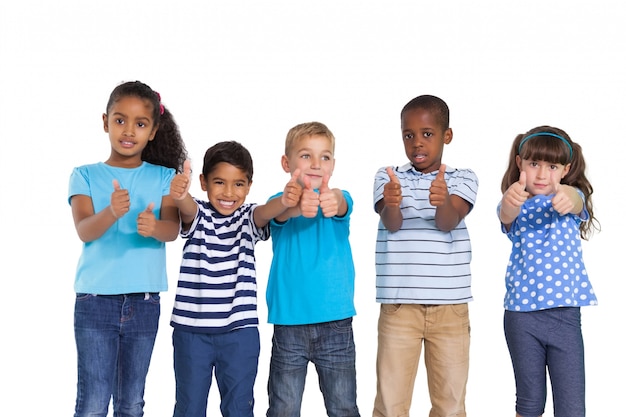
column 546, row 268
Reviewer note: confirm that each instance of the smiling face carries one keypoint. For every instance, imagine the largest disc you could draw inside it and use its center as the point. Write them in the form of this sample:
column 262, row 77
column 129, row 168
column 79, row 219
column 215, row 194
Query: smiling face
column 227, row 187
column 313, row 155
column 424, row 138
column 542, row 178
column 130, row 127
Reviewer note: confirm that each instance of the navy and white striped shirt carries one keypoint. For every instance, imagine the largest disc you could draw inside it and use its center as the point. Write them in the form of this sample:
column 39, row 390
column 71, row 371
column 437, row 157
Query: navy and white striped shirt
column 217, row 289
column 420, row 264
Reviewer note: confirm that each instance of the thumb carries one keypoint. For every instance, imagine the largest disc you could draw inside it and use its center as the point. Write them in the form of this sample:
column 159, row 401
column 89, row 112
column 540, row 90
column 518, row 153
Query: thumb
column 307, row 183
column 116, row 185
column 295, row 175
column 324, row 186
column 442, row 172
column 556, row 185
column 392, row 176
column 149, row 208
column 522, row 179
column 187, row 167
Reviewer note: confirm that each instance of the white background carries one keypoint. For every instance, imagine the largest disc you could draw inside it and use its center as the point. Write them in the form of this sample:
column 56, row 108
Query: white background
column 250, row 70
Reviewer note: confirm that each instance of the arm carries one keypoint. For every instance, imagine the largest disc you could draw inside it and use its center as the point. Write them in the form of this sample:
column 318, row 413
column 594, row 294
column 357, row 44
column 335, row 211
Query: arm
column 183, row 201
column 90, row 225
column 450, row 209
column 283, row 207
column 164, row 229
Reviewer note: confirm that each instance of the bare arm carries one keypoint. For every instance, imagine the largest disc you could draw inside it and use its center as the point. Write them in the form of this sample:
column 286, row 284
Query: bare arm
column 388, row 208
column 90, row 225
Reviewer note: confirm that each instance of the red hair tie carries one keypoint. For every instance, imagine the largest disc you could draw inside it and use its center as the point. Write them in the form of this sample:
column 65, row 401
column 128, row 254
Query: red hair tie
column 161, row 107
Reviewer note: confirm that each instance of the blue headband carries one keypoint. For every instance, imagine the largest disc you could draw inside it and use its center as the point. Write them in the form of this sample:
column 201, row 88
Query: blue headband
column 554, row 135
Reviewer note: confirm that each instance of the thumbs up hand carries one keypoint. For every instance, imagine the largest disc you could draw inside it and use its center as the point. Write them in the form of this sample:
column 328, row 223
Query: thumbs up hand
column 516, row 194
column 293, row 191
column 179, row 187
column 439, row 188
column 120, row 200
column 392, row 193
column 329, row 201
column 146, row 221
column 310, row 200
column 566, row 199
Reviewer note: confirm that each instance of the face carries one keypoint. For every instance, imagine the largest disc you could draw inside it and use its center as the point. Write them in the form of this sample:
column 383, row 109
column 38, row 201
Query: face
column 227, row 187
column 313, row 155
column 424, row 139
column 130, row 127
column 542, row 177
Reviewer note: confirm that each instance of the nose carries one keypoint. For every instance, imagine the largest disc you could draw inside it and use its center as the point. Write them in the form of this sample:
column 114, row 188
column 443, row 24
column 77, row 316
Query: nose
column 129, row 129
column 315, row 162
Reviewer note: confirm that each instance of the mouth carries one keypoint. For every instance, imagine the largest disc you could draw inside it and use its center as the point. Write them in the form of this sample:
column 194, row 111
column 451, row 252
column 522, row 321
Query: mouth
column 226, row 203
column 127, row 144
column 419, row 157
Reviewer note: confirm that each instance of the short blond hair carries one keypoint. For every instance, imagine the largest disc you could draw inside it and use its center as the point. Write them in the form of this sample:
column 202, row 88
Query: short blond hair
column 304, row 130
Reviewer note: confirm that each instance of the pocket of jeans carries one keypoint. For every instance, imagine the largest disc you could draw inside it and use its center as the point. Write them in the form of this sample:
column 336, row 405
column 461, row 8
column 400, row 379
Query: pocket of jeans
column 155, row 298
column 461, row 310
column 390, row 308
column 81, row 296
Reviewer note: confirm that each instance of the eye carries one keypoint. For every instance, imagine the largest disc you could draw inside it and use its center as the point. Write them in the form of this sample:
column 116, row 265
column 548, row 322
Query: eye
column 119, row 121
column 554, row 167
column 218, row 182
column 533, row 164
column 428, row 134
column 141, row 124
column 305, row 156
column 408, row 136
column 325, row 158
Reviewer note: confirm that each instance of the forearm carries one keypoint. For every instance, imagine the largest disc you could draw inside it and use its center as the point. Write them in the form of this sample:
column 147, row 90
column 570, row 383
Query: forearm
column 263, row 214
column 508, row 214
column 449, row 215
column 391, row 218
column 166, row 230
column 93, row 227
column 187, row 208
column 342, row 204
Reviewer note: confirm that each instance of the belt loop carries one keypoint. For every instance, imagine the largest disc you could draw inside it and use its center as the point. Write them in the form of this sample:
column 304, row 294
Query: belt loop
column 147, row 296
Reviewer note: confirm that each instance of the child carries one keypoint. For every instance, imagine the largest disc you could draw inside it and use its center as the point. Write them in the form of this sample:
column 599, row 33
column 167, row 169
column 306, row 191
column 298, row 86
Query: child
column 310, row 290
column 423, row 278
column 123, row 213
column 545, row 209
column 215, row 318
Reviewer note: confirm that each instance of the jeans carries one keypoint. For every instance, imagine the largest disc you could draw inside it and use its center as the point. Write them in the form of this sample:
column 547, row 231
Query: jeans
column 234, row 356
column 549, row 339
column 330, row 347
column 114, row 335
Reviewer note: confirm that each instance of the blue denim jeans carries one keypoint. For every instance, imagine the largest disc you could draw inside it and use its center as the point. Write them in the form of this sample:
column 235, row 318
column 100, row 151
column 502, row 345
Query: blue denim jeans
column 330, row 347
column 114, row 339
column 549, row 339
column 234, row 356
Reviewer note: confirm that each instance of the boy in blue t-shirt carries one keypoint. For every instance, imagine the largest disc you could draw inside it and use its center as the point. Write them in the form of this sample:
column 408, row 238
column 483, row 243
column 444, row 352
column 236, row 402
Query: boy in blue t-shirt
column 310, row 291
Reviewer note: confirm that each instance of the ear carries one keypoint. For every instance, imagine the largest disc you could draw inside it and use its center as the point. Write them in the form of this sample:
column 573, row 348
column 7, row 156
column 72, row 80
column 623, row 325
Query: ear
column 154, row 131
column 284, row 162
column 447, row 136
column 203, row 183
column 105, row 121
column 566, row 170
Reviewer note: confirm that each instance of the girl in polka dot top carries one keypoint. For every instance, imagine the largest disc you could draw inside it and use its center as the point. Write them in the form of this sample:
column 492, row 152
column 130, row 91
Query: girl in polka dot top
column 545, row 211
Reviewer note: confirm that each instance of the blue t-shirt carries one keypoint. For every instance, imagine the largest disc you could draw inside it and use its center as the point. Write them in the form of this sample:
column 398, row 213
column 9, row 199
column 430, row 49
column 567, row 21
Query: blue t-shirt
column 122, row 261
column 312, row 273
column 546, row 268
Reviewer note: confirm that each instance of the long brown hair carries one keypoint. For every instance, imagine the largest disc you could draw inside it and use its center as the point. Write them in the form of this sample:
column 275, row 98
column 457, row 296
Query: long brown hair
column 555, row 146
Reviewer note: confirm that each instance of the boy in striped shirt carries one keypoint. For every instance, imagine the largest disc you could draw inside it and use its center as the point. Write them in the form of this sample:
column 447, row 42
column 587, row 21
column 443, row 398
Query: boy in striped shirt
column 423, row 278
column 215, row 317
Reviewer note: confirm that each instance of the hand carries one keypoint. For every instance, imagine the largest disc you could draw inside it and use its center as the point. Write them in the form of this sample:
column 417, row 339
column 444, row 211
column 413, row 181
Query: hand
column 439, row 188
column 120, row 200
column 562, row 202
column 516, row 194
column 146, row 222
column 179, row 187
column 293, row 191
column 310, row 200
column 392, row 193
column 329, row 203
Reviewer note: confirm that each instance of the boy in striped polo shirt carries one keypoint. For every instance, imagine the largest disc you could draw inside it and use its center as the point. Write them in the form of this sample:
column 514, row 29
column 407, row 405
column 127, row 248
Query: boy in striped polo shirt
column 215, row 317
column 423, row 278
